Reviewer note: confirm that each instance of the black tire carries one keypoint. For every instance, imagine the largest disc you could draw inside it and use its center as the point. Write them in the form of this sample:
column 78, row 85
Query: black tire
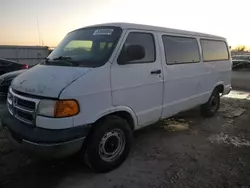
column 210, row 108
column 100, row 140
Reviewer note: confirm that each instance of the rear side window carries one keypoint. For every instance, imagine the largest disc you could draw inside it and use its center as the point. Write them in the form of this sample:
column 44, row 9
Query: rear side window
column 179, row 50
column 147, row 41
column 214, row 50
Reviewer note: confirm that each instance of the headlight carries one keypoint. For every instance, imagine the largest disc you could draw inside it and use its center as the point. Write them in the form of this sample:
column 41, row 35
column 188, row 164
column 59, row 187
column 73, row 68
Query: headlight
column 58, row 109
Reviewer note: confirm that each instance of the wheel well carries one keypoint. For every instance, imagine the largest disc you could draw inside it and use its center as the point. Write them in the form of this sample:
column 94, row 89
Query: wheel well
column 124, row 115
column 220, row 88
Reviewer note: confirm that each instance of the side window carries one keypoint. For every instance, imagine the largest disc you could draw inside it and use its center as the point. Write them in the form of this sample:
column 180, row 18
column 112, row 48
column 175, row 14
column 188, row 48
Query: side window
column 145, row 40
column 179, row 50
column 214, row 50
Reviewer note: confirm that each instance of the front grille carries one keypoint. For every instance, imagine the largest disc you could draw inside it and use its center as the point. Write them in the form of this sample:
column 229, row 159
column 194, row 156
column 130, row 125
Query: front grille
column 22, row 108
column 24, row 116
column 26, row 104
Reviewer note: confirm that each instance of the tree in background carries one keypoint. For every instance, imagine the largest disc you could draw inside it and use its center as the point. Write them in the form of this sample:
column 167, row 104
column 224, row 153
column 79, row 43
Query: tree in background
column 240, row 48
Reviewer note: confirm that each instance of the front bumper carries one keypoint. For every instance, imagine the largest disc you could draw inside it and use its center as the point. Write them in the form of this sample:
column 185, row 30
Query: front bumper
column 44, row 142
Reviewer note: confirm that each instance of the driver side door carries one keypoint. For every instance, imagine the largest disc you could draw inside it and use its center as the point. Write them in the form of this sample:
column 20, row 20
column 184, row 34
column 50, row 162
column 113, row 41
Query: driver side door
column 138, row 84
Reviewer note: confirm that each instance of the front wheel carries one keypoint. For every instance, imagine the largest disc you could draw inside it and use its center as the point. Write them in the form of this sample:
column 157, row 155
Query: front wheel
column 109, row 144
column 210, row 108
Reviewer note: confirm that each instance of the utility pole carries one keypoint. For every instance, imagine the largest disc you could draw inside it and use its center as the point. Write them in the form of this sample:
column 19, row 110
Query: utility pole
column 38, row 31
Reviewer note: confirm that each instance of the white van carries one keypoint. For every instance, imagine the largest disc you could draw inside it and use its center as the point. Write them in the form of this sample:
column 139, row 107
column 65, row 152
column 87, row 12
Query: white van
column 104, row 81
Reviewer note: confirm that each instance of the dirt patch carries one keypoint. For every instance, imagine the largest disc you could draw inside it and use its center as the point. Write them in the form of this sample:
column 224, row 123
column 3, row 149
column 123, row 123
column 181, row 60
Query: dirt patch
column 174, row 124
column 231, row 111
column 224, row 138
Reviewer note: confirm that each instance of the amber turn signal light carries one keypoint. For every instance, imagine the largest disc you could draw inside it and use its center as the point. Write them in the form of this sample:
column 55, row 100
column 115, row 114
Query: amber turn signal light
column 66, row 108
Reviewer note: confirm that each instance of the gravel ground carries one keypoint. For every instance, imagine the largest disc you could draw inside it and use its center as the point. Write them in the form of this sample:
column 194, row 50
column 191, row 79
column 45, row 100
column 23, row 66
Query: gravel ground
column 186, row 151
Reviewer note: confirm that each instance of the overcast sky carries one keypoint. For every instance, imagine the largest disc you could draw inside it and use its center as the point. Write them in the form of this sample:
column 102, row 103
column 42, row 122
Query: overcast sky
column 18, row 18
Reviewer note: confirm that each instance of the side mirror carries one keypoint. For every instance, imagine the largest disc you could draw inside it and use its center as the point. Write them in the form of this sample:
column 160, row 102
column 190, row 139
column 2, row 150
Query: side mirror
column 131, row 53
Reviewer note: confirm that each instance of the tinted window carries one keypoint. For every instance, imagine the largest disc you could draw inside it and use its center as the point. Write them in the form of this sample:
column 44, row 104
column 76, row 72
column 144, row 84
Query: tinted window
column 181, row 50
column 214, row 50
column 143, row 39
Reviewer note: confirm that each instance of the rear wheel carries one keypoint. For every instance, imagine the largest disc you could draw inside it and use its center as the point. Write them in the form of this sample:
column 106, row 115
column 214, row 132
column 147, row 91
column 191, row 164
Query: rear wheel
column 109, row 144
column 211, row 107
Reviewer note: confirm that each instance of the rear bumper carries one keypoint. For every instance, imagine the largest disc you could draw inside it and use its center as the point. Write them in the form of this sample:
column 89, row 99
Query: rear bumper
column 44, row 142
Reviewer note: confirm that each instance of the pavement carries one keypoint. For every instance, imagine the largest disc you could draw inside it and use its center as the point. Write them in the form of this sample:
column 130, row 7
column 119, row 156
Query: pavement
column 185, row 151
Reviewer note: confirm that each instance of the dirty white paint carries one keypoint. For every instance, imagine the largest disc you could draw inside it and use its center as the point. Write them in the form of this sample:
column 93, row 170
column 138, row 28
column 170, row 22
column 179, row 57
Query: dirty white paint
column 149, row 92
column 224, row 138
column 47, row 81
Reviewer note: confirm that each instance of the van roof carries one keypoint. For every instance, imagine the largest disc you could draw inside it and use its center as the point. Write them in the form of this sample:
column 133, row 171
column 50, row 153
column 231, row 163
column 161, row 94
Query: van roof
column 156, row 28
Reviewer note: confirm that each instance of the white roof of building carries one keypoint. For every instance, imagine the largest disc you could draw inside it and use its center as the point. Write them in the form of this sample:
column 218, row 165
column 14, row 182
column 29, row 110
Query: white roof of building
column 155, row 28
column 22, row 47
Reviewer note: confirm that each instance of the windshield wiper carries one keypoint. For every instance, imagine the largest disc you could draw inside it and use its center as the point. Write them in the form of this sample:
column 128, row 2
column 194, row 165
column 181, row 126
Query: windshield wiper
column 64, row 58
column 47, row 60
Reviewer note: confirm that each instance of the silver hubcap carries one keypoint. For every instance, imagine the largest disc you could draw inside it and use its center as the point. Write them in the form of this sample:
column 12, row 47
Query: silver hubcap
column 112, row 145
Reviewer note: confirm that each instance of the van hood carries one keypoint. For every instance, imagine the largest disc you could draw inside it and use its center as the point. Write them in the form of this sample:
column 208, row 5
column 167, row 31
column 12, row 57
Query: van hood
column 46, row 80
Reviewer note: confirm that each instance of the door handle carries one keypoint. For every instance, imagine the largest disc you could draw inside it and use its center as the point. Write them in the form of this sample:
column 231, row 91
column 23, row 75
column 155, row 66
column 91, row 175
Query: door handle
column 156, row 71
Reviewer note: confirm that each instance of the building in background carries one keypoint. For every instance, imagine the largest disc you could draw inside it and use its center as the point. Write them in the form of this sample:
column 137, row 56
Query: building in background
column 30, row 55
column 240, row 53
column 240, row 50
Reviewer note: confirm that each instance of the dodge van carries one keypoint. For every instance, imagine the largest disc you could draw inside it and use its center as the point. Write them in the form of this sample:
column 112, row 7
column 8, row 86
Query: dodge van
column 103, row 82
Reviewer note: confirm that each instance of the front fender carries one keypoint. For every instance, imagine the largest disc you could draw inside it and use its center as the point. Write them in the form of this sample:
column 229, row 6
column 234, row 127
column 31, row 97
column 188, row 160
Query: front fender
column 119, row 109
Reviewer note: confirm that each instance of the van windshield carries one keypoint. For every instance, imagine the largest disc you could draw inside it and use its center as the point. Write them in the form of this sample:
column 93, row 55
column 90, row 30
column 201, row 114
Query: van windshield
column 88, row 47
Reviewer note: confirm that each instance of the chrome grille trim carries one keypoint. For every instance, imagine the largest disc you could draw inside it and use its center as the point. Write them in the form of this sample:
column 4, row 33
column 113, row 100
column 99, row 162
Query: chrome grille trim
column 9, row 108
column 13, row 107
column 23, row 109
column 23, row 120
column 9, row 101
